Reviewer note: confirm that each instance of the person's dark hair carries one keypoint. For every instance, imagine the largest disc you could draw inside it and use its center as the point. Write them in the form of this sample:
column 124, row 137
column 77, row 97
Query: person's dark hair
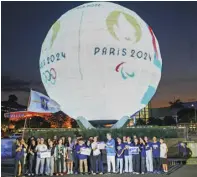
column 80, row 139
column 162, row 138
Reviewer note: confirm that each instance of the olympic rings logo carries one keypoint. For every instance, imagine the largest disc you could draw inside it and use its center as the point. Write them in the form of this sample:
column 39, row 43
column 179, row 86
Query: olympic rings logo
column 49, row 76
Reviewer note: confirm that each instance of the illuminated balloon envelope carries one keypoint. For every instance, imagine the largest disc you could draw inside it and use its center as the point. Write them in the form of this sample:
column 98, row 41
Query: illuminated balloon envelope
column 100, row 61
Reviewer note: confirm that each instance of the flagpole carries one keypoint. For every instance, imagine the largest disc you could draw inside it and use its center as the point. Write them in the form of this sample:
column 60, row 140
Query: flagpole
column 26, row 118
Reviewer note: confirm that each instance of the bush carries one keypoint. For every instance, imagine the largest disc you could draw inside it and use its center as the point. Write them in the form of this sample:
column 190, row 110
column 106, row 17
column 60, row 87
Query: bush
column 166, row 132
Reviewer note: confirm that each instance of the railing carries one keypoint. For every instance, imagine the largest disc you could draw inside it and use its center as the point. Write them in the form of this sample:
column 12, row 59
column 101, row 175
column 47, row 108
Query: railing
column 175, row 164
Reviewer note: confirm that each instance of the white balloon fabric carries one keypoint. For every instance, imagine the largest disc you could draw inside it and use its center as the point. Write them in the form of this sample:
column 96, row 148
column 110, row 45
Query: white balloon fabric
column 100, row 61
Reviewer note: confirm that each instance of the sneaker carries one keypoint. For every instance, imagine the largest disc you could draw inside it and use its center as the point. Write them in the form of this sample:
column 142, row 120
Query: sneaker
column 93, row 173
column 101, row 173
column 76, row 173
column 158, row 172
column 57, row 174
column 142, row 173
column 71, row 172
column 29, row 174
column 137, row 173
column 68, row 173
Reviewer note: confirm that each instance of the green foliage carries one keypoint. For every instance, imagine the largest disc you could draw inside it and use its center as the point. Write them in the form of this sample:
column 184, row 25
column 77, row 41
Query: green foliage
column 140, row 122
column 154, row 121
column 169, row 120
column 186, row 115
column 166, row 132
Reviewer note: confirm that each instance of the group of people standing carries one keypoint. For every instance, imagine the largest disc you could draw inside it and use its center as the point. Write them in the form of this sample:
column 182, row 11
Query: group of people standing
column 66, row 156
column 146, row 157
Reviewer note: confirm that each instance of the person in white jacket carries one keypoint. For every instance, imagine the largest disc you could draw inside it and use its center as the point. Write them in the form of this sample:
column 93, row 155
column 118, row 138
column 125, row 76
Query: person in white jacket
column 163, row 155
column 49, row 170
column 40, row 161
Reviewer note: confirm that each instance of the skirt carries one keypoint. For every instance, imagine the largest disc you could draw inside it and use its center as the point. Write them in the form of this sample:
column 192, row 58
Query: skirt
column 69, row 156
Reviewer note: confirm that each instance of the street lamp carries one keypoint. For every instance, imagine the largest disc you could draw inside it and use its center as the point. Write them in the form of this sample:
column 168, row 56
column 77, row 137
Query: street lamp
column 194, row 112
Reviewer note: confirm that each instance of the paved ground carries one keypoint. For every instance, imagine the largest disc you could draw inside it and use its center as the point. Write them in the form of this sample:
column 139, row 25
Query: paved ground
column 184, row 171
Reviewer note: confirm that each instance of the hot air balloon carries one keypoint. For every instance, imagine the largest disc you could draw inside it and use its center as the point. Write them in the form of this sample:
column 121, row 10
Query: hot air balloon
column 100, row 61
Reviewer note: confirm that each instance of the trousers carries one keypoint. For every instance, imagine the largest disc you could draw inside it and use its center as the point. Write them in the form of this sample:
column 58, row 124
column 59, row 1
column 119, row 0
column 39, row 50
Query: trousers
column 136, row 163
column 96, row 164
column 128, row 163
column 156, row 163
column 49, row 166
column 90, row 161
column 120, row 165
column 111, row 160
column 143, row 164
column 85, row 163
column 60, row 164
column 32, row 164
column 40, row 165
column 149, row 161
column 76, row 163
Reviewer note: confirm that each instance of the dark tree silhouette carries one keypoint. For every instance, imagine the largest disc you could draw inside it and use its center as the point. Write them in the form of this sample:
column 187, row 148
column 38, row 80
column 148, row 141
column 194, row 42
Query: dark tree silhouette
column 186, row 115
column 13, row 98
column 169, row 120
column 176, row 104
column 140, row 122
column 154, row 121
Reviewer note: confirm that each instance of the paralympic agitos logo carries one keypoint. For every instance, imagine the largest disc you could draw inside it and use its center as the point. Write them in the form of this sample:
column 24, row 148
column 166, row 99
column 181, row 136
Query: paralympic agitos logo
column 124, row 74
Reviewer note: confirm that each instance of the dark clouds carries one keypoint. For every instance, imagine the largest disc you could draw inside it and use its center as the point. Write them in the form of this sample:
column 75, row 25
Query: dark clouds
column 10, row 85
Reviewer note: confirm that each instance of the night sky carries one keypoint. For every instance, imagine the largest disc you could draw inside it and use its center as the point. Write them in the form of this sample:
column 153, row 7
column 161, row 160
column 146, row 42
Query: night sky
column 24, row 26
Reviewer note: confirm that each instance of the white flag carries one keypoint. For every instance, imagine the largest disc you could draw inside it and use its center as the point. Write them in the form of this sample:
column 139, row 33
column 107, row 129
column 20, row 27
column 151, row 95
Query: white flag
column 42, row 104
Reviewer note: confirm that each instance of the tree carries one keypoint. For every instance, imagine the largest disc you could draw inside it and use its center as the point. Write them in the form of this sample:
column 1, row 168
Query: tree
column 154, row 121
column 176, row 104
column 19, row 124
column 140, row 122
column 169, row 120
column 58, row 119
column 12, row 98
column 186, row 115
